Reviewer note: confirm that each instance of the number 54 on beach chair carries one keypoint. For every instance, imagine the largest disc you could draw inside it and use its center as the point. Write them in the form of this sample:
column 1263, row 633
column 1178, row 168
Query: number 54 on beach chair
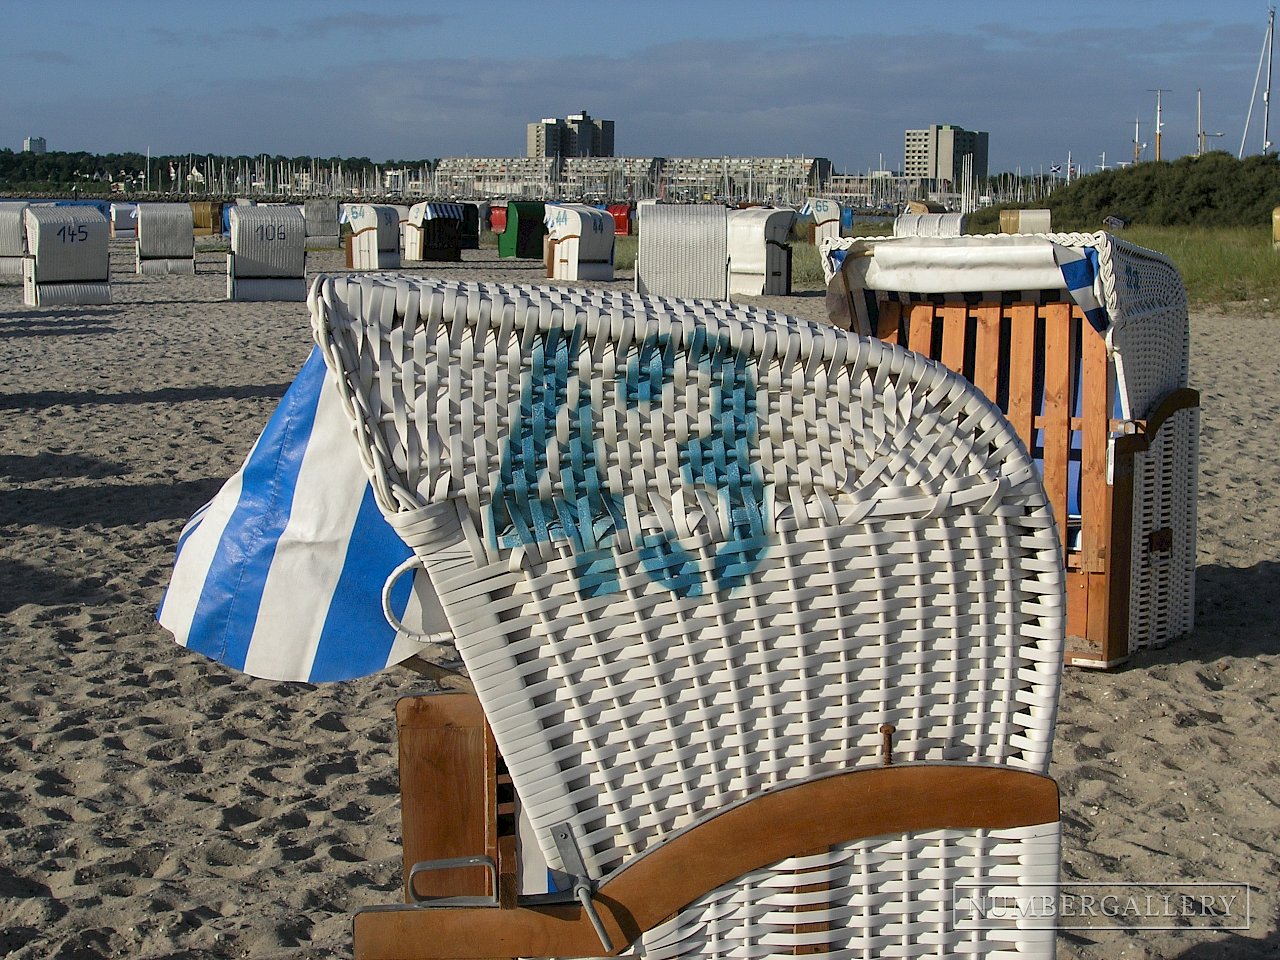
column 764, row 621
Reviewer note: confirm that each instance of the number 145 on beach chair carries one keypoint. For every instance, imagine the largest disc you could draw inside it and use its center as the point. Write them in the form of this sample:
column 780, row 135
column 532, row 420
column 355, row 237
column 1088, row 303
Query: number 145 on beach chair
column 764, row 622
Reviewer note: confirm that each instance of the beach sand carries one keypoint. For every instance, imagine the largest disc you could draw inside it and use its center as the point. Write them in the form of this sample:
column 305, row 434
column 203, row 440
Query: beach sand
column 155, row 804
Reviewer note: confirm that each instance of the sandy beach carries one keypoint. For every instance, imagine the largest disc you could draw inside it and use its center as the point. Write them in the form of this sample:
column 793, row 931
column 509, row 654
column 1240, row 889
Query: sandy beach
column 154, row 804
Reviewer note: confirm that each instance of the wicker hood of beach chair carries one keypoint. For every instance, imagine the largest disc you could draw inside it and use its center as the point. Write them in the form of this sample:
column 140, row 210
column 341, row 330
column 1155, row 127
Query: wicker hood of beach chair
column 699, row 558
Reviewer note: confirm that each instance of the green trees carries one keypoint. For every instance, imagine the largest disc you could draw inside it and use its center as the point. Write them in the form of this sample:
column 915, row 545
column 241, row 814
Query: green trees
column 1214, row 190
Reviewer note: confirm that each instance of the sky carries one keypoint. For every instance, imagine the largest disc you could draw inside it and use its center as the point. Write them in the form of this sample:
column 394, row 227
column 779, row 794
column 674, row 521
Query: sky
column 842, row 80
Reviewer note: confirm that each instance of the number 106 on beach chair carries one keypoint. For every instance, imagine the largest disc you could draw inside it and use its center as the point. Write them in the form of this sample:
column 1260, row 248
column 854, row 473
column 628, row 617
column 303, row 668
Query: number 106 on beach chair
column 764, row 622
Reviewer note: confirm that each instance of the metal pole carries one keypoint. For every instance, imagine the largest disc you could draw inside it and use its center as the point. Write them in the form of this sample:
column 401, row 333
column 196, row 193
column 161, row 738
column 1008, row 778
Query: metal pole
column 1266, row 95
column 1159, row 121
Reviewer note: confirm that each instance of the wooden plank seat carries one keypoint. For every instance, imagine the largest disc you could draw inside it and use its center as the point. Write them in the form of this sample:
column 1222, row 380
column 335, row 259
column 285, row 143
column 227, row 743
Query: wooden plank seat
column 696, row 557
column 1099, row 397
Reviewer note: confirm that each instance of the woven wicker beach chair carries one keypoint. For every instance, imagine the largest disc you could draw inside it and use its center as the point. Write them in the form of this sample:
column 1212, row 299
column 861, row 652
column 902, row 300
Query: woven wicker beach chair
column 1083, row 340
column 67, row 260
column 684, row 251
column 166, row 240
column 766, row 621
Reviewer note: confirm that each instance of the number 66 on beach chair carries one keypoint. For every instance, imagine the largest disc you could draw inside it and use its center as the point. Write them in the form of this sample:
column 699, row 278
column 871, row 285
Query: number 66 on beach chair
column 766, row 621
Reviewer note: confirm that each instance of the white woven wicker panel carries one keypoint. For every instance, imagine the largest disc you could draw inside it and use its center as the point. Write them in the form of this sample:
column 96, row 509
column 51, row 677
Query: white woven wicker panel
column 162, row 266
column 690, row 551
column 292, row 289
column 13, row 243
column 321, row 216
column 929, row 225
column 60, row 294
column 69, row 244
column 165, row 231
column 684, row 252
column 268, row 241
column 1150, row 336
column 895, row 896
column 1162, row 591
column 124, row 221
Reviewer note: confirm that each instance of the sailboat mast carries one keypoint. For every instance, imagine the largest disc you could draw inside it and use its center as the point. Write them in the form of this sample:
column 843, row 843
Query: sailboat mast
column 1266, row 96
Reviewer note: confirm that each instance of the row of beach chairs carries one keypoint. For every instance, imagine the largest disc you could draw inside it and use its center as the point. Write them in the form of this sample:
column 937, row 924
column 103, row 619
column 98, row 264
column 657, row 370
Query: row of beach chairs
column 1097, row 388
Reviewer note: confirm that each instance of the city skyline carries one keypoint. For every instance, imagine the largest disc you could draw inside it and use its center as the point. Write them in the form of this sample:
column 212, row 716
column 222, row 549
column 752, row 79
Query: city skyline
column 709, row 79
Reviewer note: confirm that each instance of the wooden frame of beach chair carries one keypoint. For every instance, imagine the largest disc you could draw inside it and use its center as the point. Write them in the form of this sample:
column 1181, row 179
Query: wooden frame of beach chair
column 1107, row 413
column 766, row 621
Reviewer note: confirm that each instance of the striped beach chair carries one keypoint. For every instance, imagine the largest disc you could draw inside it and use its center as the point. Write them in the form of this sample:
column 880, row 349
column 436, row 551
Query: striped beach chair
column 1083, row 340
column 764, row 622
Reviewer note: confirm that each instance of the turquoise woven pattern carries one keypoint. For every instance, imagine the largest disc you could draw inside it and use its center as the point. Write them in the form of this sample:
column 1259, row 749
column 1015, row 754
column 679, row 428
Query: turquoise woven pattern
column 691, row 551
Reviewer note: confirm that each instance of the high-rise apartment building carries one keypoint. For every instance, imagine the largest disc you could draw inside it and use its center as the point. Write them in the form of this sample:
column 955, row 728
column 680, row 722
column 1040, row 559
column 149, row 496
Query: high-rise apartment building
column 938, row 153
column 577, row 135
column 34, row 145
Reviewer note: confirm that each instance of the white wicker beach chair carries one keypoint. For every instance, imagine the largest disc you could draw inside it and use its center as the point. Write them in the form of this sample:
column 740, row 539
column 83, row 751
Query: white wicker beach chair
column 1084, row 340
column 375, row 236
column 268, row 257
column 684, row 251
column 826, row 217
column 766, row 619
column 67, row 259
column 166, row 239
column 13, row 239
column 321, row 217
column 434, row 231
column 580, row 242
column 760, row 251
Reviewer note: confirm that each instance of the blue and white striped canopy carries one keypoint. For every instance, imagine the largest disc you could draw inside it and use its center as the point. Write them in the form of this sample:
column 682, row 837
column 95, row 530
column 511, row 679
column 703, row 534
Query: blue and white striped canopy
column 281, row 574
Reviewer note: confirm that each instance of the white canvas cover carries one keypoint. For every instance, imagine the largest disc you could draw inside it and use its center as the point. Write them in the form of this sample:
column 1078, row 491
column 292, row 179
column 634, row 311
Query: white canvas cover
column 758, row 251
column 582, row 242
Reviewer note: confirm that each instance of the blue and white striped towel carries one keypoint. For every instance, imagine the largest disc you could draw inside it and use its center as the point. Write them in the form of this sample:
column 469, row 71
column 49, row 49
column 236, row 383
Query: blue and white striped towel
column 280, row 575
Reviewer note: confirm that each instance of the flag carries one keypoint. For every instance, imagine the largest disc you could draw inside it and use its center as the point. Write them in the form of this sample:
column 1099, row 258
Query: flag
column 1056, row 168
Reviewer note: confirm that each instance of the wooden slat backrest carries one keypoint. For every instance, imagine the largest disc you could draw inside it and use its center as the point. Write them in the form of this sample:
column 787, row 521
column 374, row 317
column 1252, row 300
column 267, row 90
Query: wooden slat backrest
column 1097, row 389
column 1055, row 412
column 1039, row 363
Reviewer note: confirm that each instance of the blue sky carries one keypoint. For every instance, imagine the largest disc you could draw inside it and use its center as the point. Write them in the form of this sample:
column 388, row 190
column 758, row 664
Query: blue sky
column 695, row 78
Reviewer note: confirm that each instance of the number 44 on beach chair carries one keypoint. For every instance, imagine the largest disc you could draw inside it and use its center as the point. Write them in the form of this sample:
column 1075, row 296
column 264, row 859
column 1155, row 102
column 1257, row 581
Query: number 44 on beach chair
column 764, row 621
